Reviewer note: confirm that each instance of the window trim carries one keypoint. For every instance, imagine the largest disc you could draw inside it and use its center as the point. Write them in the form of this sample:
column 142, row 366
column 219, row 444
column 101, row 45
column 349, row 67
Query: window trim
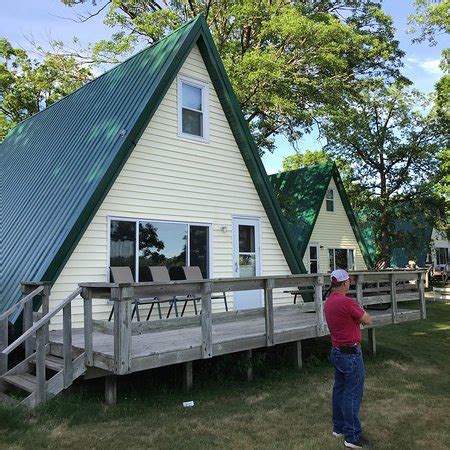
column 334, row 256
column 204, row 86
column 327, row 200
column 317, row 245
column 445, row 251
column 209, row 225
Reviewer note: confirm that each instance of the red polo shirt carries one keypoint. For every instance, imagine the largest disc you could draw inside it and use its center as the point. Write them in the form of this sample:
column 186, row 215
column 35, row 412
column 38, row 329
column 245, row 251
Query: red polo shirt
column 342, row 314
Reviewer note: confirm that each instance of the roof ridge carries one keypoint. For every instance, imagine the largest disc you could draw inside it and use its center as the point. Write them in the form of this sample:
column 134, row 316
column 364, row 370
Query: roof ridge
column 190, row 22
column 309, row 166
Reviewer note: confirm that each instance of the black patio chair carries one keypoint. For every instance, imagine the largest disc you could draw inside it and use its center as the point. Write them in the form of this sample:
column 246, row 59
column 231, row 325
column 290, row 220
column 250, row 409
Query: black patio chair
column 193, row 273
column 124, row 275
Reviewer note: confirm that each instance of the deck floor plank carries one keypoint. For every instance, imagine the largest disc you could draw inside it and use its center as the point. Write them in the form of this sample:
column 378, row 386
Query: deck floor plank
column 290, row 325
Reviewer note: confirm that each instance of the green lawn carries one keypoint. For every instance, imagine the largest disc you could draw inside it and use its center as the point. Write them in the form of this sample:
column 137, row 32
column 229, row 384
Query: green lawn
column 406, row 404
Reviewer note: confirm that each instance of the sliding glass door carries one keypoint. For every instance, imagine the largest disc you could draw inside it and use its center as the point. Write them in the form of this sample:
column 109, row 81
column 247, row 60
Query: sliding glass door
column 139, row 244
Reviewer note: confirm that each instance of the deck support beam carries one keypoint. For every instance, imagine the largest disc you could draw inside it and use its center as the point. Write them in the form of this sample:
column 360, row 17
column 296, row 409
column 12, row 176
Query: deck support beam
column 421, row 287
column 122, row 298
column 372, row 341
column 188, row 375
column 249, row 364
column 297, row 358
column 393, row 281
column 268, row 311
column 111, row 389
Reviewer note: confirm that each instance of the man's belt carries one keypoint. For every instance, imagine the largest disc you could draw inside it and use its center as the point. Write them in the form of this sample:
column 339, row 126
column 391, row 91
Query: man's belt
column 350, row 349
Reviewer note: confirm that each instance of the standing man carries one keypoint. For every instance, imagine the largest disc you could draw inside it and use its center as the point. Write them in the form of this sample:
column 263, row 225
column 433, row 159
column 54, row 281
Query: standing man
column 344, row 318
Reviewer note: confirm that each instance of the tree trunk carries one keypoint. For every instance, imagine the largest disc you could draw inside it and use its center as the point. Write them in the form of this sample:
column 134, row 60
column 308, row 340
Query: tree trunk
column 385, row 237
column 385, row 255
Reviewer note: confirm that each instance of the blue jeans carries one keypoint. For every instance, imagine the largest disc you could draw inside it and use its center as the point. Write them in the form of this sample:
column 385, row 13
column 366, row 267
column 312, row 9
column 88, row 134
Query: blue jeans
column 347, row 393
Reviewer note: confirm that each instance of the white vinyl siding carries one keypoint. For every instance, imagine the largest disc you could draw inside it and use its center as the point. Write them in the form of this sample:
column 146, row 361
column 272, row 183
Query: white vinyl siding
column 171, row 178
column 334, row 231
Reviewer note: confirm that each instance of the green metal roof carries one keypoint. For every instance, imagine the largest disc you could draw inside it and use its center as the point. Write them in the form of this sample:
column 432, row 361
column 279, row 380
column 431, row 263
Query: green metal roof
column 301, row 193
column 59, row 164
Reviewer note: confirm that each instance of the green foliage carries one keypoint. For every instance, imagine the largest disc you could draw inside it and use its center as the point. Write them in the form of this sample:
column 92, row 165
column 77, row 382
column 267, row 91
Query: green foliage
column 308, row 158
column 286, row 60
column 431, row 18
column 28, row 85
column 393, row 148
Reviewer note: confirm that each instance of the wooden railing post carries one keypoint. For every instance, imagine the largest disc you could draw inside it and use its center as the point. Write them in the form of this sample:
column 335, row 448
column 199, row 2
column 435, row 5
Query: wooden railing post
column 318, row 284
column 27, row 319
column 359, row 289
column 122, row 297
column 206, row 321
column 268, row 311
column 392, row 278
column 41, row 388
column 46, row 308
column 67, row 345
column 88, row 326
column 3, row 345
column 421, row 287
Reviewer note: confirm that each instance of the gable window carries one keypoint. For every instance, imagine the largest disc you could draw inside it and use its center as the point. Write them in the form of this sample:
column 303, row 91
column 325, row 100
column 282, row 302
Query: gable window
column 313, row 258
column 341, row 258
column 329, row 198
column 192, row 109
column 139, row 244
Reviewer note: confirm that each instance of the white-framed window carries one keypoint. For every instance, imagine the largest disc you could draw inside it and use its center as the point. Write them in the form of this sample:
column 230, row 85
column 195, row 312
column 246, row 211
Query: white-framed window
column 140, row 243
column 329, row 200
column 442, row 256
column 313, row 261
column 193, row 117
column 341, row 258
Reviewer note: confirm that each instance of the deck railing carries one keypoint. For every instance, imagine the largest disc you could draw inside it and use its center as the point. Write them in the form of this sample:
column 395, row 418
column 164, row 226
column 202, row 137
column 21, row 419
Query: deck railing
column 31, row 290
column 35, row 337
column 372, row 288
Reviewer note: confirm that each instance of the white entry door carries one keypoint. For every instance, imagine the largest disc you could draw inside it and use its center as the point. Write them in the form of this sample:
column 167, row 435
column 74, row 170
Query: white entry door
column 246, row 260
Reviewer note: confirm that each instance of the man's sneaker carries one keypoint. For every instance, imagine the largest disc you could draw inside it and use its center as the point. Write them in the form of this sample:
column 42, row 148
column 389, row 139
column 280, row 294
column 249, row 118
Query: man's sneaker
column 362, row 442
column 338, row 435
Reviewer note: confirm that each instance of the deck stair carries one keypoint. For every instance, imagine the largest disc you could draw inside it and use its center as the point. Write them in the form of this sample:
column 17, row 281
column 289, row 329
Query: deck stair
column 47, row 369
column 18, row 386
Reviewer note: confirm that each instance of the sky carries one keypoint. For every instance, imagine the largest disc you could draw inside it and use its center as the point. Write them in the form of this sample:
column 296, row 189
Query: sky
column 41, row 20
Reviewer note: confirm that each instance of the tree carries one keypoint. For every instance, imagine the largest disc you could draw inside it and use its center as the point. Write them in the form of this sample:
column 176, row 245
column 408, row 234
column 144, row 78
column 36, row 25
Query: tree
column 286, row 59
column 431, row 19
column 28, row 85
column 393, row 147
column 308, row 158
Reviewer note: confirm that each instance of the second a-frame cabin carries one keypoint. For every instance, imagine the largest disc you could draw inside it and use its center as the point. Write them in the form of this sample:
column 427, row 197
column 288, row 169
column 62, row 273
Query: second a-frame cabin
column 150, row 164
column 320, row 219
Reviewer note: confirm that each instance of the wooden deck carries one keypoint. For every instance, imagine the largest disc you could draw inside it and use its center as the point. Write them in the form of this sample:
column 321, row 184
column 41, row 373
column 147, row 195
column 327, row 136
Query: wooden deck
column 123, row 346
column 171, row 346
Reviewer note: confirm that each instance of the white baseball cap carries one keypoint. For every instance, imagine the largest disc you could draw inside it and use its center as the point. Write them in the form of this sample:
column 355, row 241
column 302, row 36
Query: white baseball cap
column 339, row 275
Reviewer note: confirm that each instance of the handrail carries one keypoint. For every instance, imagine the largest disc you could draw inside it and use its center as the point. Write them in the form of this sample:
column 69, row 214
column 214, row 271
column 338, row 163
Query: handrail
column 40, row 323
column 292, row 277
column 21, row 302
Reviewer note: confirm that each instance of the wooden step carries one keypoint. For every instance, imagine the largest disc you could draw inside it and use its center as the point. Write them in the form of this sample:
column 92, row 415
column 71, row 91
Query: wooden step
column 52, row 362
column 24, row 381
column 7, row 400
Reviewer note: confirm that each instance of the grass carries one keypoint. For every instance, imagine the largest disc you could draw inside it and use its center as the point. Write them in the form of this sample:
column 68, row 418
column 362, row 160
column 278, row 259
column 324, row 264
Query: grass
column 406, row 403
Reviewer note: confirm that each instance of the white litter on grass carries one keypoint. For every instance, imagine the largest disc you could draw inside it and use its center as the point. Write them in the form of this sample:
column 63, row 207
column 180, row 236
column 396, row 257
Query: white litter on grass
column 189, row 404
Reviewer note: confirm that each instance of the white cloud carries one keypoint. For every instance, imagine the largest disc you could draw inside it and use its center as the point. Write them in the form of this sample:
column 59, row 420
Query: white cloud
column 271, row 170
column 431, row 66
